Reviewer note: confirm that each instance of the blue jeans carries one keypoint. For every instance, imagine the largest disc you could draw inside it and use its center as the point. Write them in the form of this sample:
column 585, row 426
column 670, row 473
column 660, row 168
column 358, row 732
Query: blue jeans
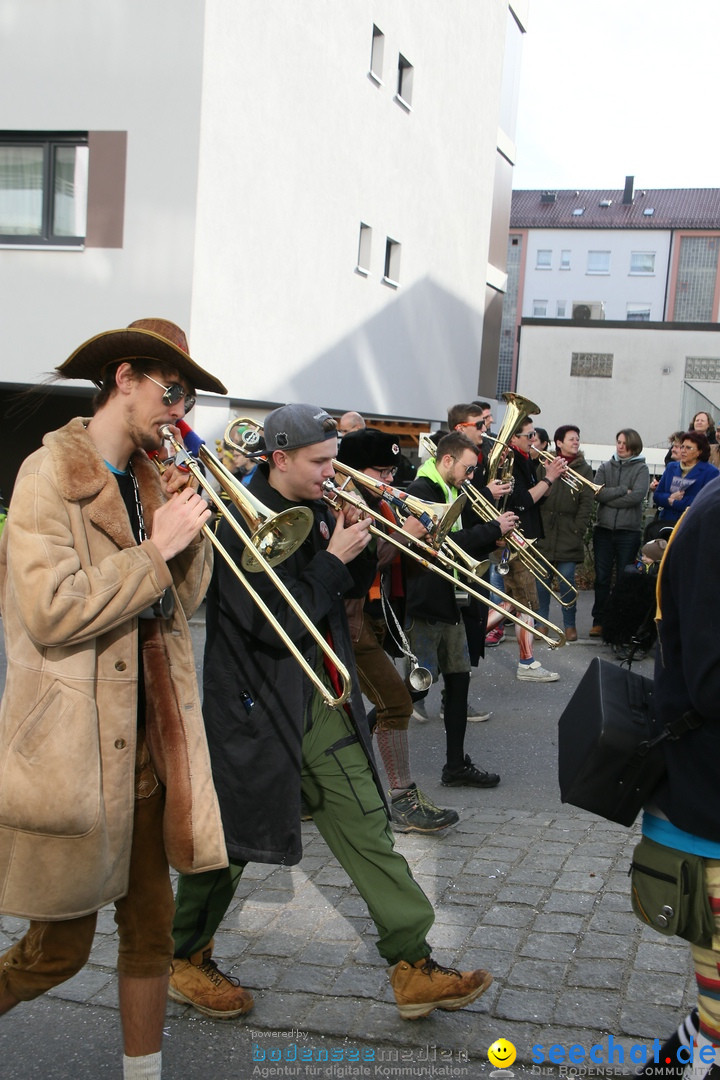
column 567, row 569
column 613, row 548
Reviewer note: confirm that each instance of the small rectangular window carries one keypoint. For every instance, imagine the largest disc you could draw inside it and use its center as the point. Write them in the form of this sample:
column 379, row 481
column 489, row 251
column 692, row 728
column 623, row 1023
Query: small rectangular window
column 376, row 54
column 598, row 262
column 565, row 259
column 405, row 81
column 591, row 365
column 43, row 188
column 638, row 313
column 364, row 246
column 560, row 309
column 540, row 309
column 543, row 259
column 391, row 275
column 642, row 262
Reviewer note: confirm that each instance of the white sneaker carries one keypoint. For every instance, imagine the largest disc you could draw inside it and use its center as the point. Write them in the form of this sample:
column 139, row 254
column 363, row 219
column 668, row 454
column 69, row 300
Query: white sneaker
column 420, row 711
column 535, row 672
column 474, row 714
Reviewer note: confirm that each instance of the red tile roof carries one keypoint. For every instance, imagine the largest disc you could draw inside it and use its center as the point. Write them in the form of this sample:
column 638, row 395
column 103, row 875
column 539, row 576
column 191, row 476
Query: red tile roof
column 673, row 208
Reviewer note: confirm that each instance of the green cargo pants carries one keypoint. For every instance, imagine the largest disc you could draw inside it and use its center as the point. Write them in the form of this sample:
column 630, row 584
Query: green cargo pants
column 339, row 789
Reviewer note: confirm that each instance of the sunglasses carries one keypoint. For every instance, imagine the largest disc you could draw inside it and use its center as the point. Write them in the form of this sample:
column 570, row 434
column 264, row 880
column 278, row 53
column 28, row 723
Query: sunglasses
column 527, row 435
column 477, row 424
column 174, row 393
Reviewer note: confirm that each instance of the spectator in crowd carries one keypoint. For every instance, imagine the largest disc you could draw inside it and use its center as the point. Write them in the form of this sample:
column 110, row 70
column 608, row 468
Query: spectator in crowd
column 684, row 479
column 617, row 534
column 565, row 515
column 704, row 423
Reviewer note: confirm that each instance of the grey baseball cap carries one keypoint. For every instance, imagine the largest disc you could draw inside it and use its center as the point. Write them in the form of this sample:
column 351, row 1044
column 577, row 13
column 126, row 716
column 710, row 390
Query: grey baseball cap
column 293, row 426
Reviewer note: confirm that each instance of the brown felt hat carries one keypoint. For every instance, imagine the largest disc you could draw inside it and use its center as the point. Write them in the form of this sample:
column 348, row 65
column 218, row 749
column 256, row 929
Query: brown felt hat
column 152, row 339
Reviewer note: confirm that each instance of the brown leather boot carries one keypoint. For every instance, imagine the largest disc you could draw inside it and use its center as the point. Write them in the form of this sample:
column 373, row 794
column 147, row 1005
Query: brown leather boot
column 426, row 985
column 198, row 981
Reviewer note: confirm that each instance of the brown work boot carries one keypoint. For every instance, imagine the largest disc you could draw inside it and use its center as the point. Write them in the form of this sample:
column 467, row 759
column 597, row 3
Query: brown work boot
column 426, row 985
column 199, row 982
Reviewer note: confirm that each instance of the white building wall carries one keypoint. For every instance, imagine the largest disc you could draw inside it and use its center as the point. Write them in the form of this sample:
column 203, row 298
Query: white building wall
column 114, row 65
column 615, row 289
column 647, row 388
column 299, row 146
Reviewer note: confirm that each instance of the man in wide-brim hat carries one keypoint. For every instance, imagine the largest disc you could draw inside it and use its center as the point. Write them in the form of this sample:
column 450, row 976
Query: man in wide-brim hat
column 106, row 773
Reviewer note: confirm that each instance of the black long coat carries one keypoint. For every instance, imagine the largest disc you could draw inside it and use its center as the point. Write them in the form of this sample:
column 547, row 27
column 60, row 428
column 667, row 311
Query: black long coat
column 255, row 693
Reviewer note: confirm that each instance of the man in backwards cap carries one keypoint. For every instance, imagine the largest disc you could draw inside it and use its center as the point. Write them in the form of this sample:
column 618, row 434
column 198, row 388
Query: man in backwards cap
column 104, row 782
column 273, row 738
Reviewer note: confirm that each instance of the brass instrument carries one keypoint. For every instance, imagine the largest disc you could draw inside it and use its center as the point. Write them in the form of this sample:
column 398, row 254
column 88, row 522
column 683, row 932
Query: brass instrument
column 571, row 477
column 518, row 407
column 448, row 559
column 518, row 545
column 429, row 554
column 280, row 535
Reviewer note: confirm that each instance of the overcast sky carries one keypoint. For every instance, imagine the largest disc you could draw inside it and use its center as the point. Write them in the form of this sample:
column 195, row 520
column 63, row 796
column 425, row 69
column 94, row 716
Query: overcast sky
column 611, row 88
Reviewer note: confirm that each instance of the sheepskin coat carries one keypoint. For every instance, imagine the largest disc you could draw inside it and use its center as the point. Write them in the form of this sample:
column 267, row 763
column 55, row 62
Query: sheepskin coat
column 72, row 583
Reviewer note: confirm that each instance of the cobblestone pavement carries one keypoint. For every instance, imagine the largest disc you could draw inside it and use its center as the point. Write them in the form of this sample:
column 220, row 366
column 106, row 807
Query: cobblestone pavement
column 532, row 890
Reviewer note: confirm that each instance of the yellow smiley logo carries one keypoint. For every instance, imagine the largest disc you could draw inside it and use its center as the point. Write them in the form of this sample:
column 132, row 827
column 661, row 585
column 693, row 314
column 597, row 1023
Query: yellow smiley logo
column 502, row 1053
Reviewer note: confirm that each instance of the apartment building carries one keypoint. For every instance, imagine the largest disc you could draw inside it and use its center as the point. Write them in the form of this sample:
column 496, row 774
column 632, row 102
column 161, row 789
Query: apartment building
column 319, row 193
column 613, row 306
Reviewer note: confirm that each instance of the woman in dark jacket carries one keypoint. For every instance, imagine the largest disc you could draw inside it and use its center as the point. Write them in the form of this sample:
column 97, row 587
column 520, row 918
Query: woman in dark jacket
column 565, row 516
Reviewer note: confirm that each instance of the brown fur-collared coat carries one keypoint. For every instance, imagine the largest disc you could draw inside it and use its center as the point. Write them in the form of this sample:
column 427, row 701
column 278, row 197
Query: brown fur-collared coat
column 72, row 582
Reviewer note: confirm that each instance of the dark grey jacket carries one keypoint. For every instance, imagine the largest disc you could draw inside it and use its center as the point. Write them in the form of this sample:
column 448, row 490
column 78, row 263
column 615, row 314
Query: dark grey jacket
column 621, row 499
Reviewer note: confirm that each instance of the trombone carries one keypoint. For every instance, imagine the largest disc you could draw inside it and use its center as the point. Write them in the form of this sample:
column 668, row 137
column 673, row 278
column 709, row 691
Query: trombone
column 447, row 559
column 571, row 477
column 274, row 539
column 518, row 545
column 429, row 554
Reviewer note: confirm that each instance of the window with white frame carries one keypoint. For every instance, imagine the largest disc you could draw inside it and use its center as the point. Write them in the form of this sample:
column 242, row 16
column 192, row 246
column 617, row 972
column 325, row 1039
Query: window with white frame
column 391, row 275
column 539, row 309
column 560, row 309
column 376, row 54
column 642, row 262
column 405, row 81
column 598, row 262
column 43, row 188
column 543, row 259
column 638, row 313
column 565, row 259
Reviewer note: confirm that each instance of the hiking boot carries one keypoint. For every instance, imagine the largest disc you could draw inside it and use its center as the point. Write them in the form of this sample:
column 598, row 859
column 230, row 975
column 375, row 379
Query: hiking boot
column 535, row 672
column 570, row 633
column 414, row 812
column 426, row 985
column 468, row 776
column 198, row 981
column 596, row 631
column 494, row 637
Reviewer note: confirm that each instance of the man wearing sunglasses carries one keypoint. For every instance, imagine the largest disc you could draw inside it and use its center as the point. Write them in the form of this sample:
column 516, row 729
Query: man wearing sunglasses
column 106, row 772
